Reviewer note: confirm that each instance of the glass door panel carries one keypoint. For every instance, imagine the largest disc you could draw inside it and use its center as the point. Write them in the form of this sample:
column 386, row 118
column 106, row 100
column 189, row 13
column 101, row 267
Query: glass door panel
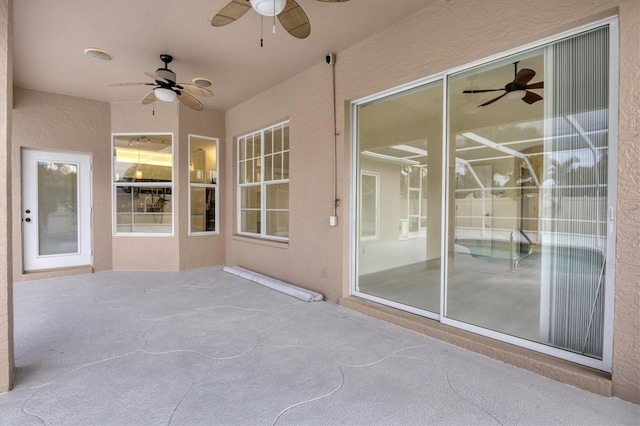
column 528, row 195
column 399, row 208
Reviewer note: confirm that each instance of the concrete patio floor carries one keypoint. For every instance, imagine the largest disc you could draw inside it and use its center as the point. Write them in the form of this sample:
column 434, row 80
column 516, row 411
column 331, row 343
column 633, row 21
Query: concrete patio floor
column 205, row 347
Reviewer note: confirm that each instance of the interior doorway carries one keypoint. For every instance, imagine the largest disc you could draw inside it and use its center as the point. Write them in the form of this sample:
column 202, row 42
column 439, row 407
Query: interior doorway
column 56, row 210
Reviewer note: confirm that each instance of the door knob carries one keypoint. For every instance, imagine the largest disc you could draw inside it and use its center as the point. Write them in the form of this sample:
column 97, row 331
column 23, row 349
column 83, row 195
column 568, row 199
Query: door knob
column 28, row 219
column 27, row 211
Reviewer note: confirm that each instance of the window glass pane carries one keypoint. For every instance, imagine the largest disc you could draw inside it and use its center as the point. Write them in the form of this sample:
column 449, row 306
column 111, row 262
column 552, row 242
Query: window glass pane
column 203, row 209
column 140, row 160
column 242, row 151
column 285, row 165
column 257, row 145
column 203, row 164
column 268, row 142
column 401, row 264
column 285, row 138
column 250, row 197
column 143, row 209
column 250, row 171
column 277, row 139
column 268, row 168
column 143, row 158
column 250, row 221
column 242, row 172
column 529, row 195
column 278, row 224
column 278, row 196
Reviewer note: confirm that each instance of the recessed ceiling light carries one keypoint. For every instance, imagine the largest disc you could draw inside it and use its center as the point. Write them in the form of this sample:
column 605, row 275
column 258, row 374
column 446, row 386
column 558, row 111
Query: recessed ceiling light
column 202, row 82
column 103, row 55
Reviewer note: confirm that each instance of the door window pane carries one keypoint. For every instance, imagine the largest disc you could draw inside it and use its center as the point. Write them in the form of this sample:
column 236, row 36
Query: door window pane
column 58, row 208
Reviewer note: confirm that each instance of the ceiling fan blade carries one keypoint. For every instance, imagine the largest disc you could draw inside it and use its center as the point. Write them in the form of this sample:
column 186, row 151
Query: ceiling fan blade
column 149, row 98
column 129, row 84
column 524, row 76
column 195, row 90
column 190, row 101
column 230, row 12
column 156, row 77
column 531, row 97
column 538, row 85
column 493, row 100
column 482, row 91
column 294, row 20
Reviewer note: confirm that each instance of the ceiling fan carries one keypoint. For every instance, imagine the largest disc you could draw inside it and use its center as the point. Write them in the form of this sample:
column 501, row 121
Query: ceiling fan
column 517, row 89
column 166, row 89
column 289, row 13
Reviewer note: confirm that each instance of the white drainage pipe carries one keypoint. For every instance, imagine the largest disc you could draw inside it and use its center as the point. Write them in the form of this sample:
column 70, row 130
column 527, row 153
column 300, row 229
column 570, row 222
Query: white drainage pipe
column 272, row 283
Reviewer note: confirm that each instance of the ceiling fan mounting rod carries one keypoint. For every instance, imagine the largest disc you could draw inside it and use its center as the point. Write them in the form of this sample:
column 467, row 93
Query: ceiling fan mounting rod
column 166, row 59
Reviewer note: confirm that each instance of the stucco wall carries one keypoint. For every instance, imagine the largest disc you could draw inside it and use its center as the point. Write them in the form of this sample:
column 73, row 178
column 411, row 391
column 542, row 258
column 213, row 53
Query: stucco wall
column 177, row 251
column 56, row 122
column 313, row 256
column 444, row 35
column 153, row 253
column 6, row 278
column 200, row 250
column 626, row 339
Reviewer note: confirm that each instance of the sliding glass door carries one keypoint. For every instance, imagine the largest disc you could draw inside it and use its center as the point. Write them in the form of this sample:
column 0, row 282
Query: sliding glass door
column 400, row 198
column 524, row 225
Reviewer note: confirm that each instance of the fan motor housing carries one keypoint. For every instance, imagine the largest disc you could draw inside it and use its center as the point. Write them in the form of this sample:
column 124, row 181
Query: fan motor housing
column 167, row 74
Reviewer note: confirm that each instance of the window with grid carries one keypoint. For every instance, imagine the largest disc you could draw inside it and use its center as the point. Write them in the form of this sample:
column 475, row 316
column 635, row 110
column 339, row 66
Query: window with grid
column 263, row 183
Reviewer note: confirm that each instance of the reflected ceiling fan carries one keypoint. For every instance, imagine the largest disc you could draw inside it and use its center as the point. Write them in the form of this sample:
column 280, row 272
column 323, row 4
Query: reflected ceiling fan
column 289, row 13
column 166, row 89
column 517, row 89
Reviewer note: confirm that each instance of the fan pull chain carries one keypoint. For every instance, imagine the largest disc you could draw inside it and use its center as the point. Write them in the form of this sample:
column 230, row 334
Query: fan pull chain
column 261, row 30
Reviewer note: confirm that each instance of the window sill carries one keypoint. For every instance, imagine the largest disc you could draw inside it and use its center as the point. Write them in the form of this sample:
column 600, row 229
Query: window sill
column 261, row 241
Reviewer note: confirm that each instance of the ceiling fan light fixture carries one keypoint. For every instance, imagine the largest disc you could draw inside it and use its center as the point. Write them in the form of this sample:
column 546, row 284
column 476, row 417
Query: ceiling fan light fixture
column 516, row 94
column 268, row 7
column 165, row 95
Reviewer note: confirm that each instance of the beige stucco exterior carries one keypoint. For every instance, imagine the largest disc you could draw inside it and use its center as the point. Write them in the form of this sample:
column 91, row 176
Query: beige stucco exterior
column 444, row 35
column 6, row 276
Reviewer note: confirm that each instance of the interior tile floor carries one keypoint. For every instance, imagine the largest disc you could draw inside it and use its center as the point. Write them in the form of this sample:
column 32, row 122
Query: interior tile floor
column 205, row 347
column 482, row 291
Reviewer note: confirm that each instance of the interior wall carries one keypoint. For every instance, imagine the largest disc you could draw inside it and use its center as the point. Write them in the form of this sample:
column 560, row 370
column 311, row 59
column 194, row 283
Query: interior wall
column 198, row 251
column 442, row 36
column 7, row 366
column 152, row 253
column 49, row 121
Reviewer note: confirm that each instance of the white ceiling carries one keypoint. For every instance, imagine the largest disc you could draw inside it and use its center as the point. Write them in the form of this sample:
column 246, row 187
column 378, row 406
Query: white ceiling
column 50, row 36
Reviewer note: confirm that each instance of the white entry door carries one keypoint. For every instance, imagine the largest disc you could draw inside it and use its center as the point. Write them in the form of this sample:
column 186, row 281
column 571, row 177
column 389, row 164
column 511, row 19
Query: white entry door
column 56, row 210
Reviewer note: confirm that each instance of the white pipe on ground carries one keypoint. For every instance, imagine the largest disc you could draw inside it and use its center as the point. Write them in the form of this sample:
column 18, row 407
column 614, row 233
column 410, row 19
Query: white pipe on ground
column 272, row 283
